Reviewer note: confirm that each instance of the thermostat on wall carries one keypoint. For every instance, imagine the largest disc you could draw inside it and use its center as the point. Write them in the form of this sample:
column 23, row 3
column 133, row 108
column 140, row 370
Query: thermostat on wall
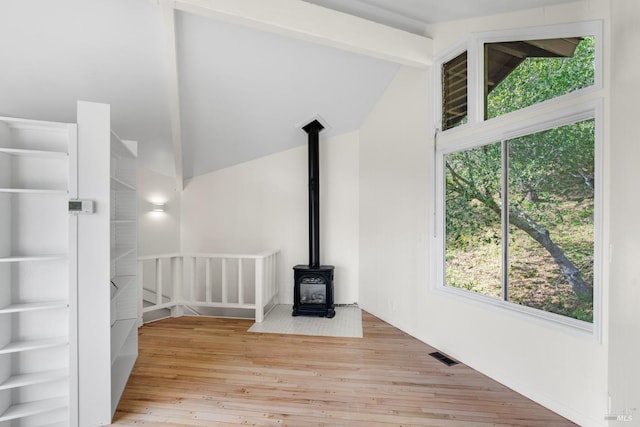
column 77, row 207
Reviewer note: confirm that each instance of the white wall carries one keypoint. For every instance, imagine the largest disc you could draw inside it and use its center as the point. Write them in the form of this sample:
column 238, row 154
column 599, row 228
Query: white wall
column 262, row 204
column 395, row 153
column 624, row 336
column 158, row 232
column 567, row 372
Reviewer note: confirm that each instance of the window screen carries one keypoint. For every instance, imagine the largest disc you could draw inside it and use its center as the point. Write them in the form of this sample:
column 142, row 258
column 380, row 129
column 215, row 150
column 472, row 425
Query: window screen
column 454, row 92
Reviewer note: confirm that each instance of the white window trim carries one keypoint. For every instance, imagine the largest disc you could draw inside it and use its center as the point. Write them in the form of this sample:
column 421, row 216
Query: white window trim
column 437, row 87
column 588, row 110
column 569, row 108
column 474, row 46
column 578, row 29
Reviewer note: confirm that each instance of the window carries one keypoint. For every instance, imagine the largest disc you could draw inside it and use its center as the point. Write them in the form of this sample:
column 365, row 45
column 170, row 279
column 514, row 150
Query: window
column 519, row 193
column 519, row 220
column 454, row 91
column 522, row 73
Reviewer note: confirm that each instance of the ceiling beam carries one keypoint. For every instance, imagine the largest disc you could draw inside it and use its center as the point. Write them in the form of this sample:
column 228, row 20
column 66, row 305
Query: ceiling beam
column 168, row 20
column 306, row 21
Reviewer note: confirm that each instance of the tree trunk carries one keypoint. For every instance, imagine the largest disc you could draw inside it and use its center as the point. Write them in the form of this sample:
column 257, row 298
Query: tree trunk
column 541, row 235
column 527, row 224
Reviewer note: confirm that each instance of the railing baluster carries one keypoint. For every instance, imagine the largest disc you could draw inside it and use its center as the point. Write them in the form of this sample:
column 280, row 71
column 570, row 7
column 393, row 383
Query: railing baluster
column 192, row 282
column 207, row 279
column 274, row 275
column 173, row 269
column 158, row 281
column 240, row 287
column 140, row 285
column 269, row 277
column 177, row 270
column 224, row 281
column 265, row 285
column 259, row 287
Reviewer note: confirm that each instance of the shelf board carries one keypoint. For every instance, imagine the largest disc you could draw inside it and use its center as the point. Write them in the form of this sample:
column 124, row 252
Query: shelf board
column 122, row 282
column 32, row 408
column 34, row 306
column 26, row 258
column 16, row 122
column 119, row 253
column 120, row 185
column 64, row 423
column 123, row 221
column 119, row 333
column 24, row 380
column 119, row 149
column 120, row 370
column 34, row 153
column 20, row 346
column 32, row 191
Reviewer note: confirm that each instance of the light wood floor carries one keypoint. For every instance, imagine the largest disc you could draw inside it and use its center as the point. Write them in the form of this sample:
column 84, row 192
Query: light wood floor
column 211, row 372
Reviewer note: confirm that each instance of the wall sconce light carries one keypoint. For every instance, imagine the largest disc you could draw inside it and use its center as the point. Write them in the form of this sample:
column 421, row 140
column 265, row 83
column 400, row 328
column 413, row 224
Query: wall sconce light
column 158, row 207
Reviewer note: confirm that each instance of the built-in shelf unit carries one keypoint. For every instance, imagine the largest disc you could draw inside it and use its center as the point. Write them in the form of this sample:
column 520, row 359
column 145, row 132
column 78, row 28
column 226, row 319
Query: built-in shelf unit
column 68, row 288
column 124, row 288
column 108, row 307
column 38, row 377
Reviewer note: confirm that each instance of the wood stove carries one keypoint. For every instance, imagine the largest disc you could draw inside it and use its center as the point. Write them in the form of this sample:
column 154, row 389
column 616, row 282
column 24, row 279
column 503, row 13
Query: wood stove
column 313, row 283
column 313, row 291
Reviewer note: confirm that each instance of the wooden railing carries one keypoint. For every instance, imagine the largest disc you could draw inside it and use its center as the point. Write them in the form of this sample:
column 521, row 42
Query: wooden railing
column 201, row 280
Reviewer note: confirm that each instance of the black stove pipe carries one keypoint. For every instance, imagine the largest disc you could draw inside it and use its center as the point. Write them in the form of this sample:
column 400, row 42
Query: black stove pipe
column 313, row 130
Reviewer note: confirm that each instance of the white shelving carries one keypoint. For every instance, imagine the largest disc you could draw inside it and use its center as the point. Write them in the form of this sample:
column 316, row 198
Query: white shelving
column 33, row 306
column 23, row 410
column 119, row 185
column 35, row 153
column 61, row 329
column 32, row 191
column 37, row 337
column 107, row 258
column 121, row 252
column 120, row 332
column 24, row 380
column 27, row 258
column 124, row 302
column 28, row 345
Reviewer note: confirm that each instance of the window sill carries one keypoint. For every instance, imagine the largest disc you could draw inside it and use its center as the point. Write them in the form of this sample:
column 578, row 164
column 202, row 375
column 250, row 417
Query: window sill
column 562, row 323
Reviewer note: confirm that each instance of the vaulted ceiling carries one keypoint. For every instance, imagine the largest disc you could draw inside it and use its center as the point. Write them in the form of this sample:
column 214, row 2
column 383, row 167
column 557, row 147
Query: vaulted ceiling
column 206, row 84
column 416, row 15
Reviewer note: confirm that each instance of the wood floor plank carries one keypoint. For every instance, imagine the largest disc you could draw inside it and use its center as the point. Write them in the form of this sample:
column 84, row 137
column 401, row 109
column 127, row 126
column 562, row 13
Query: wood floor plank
column 197, row 371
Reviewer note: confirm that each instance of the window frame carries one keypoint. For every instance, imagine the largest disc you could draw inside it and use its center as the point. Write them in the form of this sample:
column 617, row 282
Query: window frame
column 474, row 46
column 453, row 55
column 582, row 104
column 439, row 62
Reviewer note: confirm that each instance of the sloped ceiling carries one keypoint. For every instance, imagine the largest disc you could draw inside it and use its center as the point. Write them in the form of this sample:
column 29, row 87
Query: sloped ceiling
column 416, row 15
column 242, row 92
column 54, row 53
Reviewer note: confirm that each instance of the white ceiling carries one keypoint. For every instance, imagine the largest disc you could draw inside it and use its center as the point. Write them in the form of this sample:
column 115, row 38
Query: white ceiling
column 53, row 53
column 242, row 92
column 246, row 99
column 415, row 15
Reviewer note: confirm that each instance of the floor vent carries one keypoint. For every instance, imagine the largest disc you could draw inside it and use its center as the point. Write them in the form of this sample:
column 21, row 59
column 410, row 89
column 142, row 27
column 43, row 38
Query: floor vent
column 444, row 359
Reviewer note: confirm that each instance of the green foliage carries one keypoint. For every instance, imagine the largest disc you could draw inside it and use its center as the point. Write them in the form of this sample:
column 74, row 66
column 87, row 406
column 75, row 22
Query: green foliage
column 583, row 309
column 472, row 175
column 550, row 178
column 540, row 79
